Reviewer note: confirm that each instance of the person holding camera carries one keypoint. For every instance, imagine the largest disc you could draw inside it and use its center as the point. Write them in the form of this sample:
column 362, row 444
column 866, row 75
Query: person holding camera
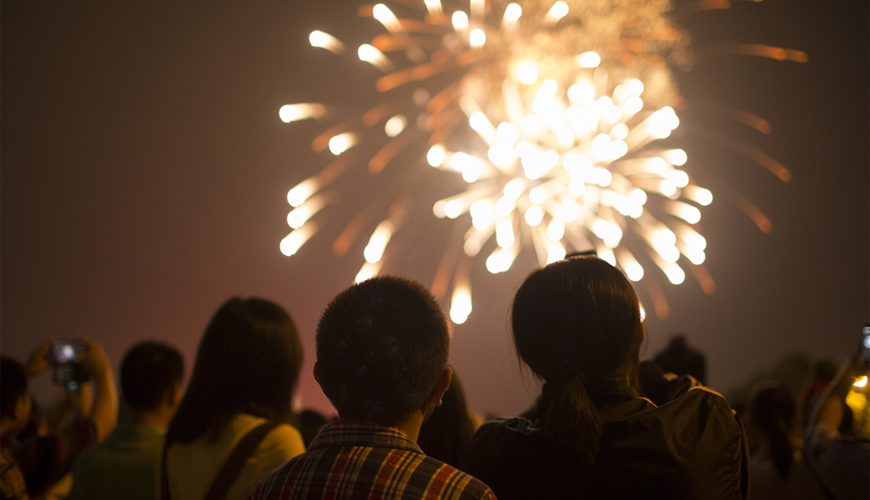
column 838, row 457
column 31, row 466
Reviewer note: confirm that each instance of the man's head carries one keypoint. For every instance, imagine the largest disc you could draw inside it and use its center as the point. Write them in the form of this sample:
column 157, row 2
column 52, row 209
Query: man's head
column 14, row 399
column 382, row 347
column 151, row 376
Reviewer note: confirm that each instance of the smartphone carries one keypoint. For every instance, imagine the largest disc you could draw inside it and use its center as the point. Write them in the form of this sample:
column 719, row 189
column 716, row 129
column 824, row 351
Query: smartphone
column 866, row 343
column 66, row 351
column 66, row 357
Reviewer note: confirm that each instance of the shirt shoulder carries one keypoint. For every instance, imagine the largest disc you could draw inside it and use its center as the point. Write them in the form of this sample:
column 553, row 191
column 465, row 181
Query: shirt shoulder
column 390, row 474
column 454, row 483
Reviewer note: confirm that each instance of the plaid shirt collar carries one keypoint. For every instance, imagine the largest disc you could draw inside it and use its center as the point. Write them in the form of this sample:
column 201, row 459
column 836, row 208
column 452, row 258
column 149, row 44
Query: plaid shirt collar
column 343, row 433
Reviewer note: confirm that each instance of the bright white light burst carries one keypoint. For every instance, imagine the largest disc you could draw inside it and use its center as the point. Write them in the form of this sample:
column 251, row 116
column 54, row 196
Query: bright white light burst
column 553, row 114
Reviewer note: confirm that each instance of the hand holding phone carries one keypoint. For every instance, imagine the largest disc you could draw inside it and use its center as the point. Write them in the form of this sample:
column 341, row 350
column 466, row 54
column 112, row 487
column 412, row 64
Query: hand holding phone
column 39, row 360
column 95, row 361
column 66, row 357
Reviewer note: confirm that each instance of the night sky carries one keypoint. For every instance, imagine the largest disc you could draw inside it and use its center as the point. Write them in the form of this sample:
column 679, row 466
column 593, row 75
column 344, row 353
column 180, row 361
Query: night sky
column 145, row 172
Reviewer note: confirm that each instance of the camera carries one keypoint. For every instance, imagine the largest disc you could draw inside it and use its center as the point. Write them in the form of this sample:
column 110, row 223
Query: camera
column 66, row 357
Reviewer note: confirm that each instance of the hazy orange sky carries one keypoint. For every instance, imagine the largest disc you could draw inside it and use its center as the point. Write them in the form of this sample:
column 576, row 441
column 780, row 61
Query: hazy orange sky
column 145, row 172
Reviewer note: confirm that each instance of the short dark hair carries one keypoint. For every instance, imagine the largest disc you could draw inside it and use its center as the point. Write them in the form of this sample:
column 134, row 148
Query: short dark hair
column 381, row 347
column 13, row 385
column 148, row 372
column 248, row 362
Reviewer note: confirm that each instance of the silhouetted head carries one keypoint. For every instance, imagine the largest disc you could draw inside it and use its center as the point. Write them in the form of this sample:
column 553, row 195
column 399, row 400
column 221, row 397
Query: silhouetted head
column 248, row 362
column 772, row 411
column 149, row 371
column 678, row 342
column 772, row 407
column 382, row 346
column 680, row 359
column 578, row 316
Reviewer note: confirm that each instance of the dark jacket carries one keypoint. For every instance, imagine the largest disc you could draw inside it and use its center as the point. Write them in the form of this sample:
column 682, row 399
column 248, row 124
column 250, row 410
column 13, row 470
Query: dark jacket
column 691, row 447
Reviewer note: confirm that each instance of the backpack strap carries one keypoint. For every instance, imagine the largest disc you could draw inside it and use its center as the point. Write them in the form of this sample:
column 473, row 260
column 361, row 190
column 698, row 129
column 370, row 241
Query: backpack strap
column 233, row 466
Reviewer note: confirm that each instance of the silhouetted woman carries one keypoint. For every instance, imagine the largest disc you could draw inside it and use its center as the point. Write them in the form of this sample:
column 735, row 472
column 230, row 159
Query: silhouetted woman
column 245, row 374
column 576, row 325
column 776, row 473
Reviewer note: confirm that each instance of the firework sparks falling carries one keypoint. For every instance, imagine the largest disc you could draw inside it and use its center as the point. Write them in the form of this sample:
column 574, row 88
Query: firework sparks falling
column 553, row 114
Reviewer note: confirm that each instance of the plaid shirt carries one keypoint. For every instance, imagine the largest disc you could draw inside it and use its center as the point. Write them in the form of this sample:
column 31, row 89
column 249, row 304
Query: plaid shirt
column 355, row 460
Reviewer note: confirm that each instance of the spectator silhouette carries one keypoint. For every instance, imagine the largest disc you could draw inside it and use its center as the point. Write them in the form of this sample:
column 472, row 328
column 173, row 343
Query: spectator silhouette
column 382, row 348
column 823, row 372
column 447, row 433
column 239, row 394
column 576, row 325
column 841, row 461
column 776, row 474
column 127, row 464
column 40, row 461
column 310, row 422
column 680, row 359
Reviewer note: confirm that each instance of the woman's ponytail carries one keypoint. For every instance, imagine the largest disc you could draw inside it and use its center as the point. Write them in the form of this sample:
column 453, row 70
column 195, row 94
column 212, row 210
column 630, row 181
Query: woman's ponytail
column 571, row 419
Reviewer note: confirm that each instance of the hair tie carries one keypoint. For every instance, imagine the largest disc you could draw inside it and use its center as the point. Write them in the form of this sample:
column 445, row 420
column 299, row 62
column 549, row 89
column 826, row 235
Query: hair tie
column 579, row 376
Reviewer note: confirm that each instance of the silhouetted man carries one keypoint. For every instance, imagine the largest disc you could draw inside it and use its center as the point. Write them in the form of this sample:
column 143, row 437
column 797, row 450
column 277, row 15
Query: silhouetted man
column 127, row 464
column 680, row 359
column 382, row 348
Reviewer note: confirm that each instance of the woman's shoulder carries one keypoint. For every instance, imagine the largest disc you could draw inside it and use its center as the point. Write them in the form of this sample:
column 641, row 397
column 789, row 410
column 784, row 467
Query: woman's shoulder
column 696, row 399
column 279, row 445
column 505, row 439
column 283, row 439
column 699, row 417
column 706, row 404
column 515, row 427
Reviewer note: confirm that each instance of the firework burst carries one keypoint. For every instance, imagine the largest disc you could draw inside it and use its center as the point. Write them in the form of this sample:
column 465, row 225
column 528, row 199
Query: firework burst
column 553, row 114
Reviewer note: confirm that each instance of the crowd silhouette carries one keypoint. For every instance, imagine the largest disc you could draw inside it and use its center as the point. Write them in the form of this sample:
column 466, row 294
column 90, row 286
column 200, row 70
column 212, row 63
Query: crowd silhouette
column 607, row 423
